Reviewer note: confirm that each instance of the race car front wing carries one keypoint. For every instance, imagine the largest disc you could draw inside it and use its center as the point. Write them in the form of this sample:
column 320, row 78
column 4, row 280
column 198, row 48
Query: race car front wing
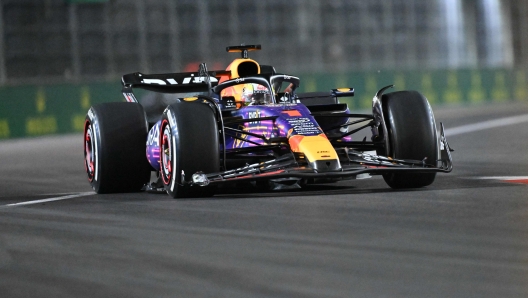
column 287, row 166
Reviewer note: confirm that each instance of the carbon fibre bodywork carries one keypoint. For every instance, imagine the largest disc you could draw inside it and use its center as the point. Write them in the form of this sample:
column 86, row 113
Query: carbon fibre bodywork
column 293, row 137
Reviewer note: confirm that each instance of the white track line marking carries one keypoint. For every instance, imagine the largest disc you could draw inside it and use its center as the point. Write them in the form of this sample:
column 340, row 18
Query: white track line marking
column 508, row 179
column 82, row 194
column 486, row 125
column 502, row 178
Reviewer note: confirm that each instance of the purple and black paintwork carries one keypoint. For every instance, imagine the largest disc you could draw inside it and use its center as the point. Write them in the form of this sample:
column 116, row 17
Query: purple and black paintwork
column 287, row 119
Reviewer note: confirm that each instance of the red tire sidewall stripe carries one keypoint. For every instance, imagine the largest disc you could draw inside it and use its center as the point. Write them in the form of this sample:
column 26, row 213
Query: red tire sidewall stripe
column 87, row 124
column 166, row 179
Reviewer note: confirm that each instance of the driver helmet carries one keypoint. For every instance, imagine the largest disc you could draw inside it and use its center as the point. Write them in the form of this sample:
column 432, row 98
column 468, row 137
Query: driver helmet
column 255, row 94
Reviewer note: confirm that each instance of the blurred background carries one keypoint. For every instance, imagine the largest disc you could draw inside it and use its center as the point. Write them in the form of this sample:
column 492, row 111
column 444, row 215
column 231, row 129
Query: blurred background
column 72, row 40
column 58, row 57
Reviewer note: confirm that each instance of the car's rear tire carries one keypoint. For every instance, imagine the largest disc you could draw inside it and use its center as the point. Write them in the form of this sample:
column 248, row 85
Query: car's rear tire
column 189, row 143
column 412, row 135
column 114, row 147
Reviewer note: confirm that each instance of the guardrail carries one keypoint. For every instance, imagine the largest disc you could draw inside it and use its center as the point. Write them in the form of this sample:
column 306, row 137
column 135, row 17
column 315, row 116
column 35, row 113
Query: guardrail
column 28, row 111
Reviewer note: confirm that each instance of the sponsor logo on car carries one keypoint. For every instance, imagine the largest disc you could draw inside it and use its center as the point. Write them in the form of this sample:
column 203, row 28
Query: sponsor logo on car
column 172, row 81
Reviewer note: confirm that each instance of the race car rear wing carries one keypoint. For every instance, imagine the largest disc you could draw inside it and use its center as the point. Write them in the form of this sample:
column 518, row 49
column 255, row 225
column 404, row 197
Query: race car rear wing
column 184, row 82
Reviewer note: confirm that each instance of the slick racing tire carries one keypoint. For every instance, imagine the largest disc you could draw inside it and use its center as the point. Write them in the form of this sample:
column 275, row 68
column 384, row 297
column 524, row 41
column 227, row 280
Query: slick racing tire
column 189, row 144
column 114, row 147
column 412, row 135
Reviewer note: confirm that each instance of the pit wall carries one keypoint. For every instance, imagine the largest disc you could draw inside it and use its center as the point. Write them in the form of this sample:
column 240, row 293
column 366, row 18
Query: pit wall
column 29, row 111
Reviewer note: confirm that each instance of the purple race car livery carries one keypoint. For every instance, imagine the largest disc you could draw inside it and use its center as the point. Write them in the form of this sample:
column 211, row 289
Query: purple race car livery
column 248, row 124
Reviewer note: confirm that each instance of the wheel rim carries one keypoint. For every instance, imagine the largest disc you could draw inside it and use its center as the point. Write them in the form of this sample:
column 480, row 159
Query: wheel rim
column 166, row 153
column 89, row 151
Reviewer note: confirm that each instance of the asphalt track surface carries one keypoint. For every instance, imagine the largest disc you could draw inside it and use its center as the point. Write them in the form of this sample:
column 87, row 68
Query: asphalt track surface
column 461, row 237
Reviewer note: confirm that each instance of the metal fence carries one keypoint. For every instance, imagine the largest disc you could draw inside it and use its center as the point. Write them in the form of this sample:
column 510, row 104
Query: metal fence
column 70, row 41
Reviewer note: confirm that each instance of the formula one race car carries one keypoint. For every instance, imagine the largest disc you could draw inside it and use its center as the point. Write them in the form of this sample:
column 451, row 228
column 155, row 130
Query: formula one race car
column 248, row 124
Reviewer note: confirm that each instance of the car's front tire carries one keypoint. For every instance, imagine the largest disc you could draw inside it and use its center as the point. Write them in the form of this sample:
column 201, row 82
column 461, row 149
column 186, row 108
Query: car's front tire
column 412, row 135
column 189, row 144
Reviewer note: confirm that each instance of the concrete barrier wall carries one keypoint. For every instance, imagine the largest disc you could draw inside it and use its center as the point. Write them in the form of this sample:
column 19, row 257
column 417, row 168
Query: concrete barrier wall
column 440, row 87
column 28, row 111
